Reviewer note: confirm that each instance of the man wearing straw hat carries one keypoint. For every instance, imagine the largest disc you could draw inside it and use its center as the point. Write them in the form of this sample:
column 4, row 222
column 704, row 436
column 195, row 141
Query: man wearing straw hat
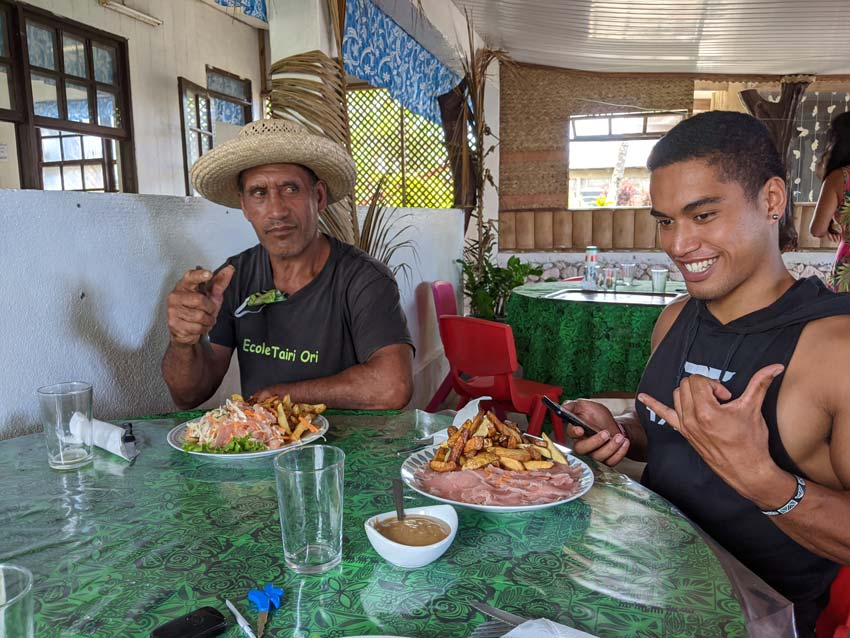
column 308, row 315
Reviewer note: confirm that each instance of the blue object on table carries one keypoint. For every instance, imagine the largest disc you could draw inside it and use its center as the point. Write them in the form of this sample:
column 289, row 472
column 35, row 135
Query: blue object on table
column 266, row 597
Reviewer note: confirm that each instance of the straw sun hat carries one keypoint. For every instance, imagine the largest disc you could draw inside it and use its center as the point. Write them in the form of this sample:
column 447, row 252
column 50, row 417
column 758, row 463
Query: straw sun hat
column 275, row 141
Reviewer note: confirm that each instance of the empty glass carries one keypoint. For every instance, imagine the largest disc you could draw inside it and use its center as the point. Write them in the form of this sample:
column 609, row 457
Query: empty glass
column 628, row 271
column 659, row 280
column 66, row 417
column 310, row 498
column 609, row 279
column 16, row 603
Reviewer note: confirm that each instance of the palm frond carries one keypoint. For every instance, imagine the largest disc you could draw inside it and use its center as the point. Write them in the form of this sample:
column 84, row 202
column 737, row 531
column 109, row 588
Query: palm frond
column 475, row 64
column 310, row 88
column 380, row 235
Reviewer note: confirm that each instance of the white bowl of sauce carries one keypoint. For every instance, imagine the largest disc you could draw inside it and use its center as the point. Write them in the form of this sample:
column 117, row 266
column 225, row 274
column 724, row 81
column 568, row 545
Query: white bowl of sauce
column 420, row 538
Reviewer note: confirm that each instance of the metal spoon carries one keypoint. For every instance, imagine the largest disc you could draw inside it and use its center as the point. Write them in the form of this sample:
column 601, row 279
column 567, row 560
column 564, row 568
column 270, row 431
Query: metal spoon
column 398, row 497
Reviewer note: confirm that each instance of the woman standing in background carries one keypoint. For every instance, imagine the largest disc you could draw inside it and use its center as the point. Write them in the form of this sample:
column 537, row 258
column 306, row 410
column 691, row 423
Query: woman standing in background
column 832, row 215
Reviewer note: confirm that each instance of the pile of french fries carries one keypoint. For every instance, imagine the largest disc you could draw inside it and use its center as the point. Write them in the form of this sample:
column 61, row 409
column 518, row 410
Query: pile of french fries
column 293, row 418
column 486, row 440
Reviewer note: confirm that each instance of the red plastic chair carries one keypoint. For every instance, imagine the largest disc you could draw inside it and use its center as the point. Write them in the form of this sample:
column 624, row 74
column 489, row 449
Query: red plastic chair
column 834, row 621
column 445, row 303
column 482, row 357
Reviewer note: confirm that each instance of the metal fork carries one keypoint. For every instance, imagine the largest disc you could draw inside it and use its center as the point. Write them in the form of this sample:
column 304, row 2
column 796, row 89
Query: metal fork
column 416, row 445
column 490, row 629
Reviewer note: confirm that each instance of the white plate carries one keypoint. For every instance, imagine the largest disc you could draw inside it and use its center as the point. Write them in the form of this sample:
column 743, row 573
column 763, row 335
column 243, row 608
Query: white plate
column 176, row 436
column 420, row 459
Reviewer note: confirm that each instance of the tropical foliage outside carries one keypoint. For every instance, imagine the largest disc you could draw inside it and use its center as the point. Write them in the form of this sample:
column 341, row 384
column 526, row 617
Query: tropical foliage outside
column 405, row 150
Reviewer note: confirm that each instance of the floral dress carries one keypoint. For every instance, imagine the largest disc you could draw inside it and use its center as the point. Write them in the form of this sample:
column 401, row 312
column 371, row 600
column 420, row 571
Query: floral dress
column 839, row 278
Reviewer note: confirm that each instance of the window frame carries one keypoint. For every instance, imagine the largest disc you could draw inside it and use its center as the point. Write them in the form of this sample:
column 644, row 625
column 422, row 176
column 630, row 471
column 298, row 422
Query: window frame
column 183, row 86
column 572, row 136
column 27, row 122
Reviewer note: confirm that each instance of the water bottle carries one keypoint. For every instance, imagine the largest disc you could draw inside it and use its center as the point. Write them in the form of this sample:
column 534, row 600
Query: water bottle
column 591, row 253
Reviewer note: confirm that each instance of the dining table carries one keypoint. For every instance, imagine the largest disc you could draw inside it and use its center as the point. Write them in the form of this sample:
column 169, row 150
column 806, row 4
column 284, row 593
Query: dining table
column 586, row 342
column 118, row 548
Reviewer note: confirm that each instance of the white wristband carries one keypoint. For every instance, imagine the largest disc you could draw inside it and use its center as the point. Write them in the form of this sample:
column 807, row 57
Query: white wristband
column 799, row 493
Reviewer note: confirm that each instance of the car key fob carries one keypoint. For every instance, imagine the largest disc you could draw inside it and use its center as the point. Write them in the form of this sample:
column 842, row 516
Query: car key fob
column 203, row 622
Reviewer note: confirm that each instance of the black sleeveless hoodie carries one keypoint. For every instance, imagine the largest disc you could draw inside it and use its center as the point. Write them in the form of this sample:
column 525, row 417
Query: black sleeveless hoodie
column 697, row 343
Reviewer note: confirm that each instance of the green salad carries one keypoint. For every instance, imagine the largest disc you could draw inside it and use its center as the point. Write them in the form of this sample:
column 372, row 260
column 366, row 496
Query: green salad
column 237, row 445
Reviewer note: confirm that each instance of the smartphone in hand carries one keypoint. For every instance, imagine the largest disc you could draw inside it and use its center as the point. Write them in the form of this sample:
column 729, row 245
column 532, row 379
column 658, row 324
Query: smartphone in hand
column 568, row 416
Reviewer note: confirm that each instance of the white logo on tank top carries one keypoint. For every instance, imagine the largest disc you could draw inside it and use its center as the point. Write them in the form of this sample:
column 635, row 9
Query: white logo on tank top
column 694, row 368
column 706, row 371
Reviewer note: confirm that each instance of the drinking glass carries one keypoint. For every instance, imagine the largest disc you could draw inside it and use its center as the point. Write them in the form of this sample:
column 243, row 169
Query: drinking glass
column 16, row 603
column 610, row 279
column 310, row 498
column 628, row 271
column 66, row 417
column 659, row 280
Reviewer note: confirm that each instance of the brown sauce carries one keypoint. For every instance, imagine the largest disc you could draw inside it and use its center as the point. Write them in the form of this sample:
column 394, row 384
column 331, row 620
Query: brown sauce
column 413, row 530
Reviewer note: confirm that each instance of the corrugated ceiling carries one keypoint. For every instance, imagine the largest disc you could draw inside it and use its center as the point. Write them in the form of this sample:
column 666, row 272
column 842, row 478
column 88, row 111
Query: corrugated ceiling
column 701, row 36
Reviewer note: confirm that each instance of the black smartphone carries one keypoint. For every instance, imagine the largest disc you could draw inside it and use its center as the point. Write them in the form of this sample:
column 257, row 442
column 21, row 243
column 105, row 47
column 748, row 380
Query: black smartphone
column 568, row 416
column 203, row 622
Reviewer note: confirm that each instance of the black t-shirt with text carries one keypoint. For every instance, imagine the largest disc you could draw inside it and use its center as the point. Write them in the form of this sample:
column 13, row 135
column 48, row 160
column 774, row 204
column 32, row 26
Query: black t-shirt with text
column 338, row 320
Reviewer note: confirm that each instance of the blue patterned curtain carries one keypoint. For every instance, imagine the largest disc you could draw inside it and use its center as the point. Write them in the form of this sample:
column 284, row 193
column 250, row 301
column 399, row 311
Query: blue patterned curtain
column 380, row 52
column 251, row 8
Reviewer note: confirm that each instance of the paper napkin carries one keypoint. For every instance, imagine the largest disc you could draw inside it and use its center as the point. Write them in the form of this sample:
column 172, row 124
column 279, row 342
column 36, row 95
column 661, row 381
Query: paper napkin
column 105, row 436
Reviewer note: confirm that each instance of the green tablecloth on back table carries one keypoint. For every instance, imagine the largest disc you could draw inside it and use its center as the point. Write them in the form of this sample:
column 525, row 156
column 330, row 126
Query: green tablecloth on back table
column 117, row 549
column 586, row 343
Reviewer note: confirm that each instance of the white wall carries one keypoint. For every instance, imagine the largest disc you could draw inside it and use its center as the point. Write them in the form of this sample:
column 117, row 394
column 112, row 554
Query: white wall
column 84, row 286
column 192, row 35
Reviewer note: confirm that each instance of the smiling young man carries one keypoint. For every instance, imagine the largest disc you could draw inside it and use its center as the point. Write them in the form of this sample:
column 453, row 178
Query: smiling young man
column 742, row 412
column 308, row 315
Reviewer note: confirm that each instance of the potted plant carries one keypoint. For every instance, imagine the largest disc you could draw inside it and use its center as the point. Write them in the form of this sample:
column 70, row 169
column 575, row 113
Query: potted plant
column 487, row 284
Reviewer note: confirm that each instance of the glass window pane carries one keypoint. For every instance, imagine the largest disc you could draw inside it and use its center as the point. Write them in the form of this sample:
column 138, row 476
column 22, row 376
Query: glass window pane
column 51, row 150
column 73, row 176
column 228, row 112
column 93, row 176
column 41, row 44
column 227, row 85
column 626, row 125
column 206, row 143
column 74, row 51
column 71, row 148
column 107, row 109
column 6, row 101
column 9, row 172
column 104, row 63
column 77, row 99
column 190, row 113
column 203, row 114
column 52, row 178
column 662, row 123
column 44, row 96
column 92, row 147
column 192, row 145
column 3, row 33
column 591, row 126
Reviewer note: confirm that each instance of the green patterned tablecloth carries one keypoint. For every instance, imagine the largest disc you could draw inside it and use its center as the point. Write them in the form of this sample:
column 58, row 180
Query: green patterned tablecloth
column 117, row 549
column 586, row 343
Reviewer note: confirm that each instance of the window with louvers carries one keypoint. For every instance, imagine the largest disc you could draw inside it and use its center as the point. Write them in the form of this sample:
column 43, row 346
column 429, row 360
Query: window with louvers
column 407, row 150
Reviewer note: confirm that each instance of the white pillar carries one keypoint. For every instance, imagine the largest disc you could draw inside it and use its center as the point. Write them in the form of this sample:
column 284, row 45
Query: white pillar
column 298, row 26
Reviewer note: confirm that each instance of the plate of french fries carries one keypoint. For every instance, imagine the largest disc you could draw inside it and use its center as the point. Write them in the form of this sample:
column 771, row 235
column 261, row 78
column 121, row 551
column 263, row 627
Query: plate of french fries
column 489, row 444
column 249, row 429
